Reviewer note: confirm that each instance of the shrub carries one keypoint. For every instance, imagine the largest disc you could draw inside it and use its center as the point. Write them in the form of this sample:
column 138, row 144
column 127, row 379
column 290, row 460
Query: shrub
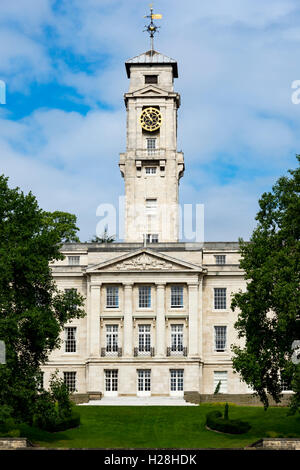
column 215, row 420
column 8, row 427
column 54, row 410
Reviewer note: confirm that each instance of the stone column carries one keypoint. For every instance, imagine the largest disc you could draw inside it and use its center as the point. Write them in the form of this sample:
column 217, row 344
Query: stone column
column 128, row 325
column 94, row 343
column 193, row 347
column 160, row 320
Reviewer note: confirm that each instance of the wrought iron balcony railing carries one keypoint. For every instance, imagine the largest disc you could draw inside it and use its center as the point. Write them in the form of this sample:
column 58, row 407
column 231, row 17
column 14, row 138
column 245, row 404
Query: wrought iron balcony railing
column 109, row 353
column 176, row 352
column 137, row 352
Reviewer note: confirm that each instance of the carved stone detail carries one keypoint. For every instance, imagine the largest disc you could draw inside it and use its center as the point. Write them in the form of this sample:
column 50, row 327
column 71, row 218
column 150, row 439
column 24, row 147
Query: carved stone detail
column 143, row 262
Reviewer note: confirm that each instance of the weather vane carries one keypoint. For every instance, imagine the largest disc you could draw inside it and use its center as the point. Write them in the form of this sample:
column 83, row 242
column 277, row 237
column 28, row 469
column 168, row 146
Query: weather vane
column 152, row 28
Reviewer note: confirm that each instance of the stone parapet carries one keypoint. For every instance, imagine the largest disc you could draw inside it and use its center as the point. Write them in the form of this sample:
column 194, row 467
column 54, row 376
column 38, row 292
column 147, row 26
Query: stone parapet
column 245, row 399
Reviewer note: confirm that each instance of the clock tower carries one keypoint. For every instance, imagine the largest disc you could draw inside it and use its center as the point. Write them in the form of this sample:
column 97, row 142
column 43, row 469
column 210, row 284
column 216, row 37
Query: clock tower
column 151, row 166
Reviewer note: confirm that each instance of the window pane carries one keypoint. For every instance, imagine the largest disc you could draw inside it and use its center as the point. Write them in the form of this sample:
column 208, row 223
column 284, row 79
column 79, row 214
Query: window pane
column 220, row 298
column 74, row 260
column 145, row 297
column 220, row 376
column 176, row 296
column 220, row 259
column 112, row 297
column 70, row 381
column 220, row 338
column 70, row 339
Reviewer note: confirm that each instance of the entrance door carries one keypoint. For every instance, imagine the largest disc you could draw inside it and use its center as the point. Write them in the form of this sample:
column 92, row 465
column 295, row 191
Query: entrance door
column 144, row 383
column 176, row 382
column 111, row 383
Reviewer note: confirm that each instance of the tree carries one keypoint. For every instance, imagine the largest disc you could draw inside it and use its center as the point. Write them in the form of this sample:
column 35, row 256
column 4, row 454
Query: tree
column 269, row 309
column 32, row 310
column 104, row 238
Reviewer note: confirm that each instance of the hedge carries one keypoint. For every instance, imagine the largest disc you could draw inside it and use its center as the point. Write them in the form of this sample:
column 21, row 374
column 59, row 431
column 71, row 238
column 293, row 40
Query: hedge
column 215, row 420
column 66, row 423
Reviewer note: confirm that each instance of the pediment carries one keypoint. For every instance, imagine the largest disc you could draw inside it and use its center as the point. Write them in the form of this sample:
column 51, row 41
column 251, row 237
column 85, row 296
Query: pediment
column 144, row 260
column 150, row 90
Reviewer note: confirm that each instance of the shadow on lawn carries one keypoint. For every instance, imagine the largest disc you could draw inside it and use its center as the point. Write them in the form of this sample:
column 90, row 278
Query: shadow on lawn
column 38, row 435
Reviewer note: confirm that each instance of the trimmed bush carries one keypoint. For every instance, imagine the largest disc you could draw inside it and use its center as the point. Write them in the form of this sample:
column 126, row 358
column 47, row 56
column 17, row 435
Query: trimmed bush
column 215, row 421
column 8, row 427
column 62, row 424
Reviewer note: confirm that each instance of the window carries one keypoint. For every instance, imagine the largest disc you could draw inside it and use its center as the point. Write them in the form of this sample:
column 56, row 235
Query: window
column 176, row 338
column 111, row 380
column 144, row 380
column 220, row 338
column 71, row 293
column 70, row 339
column 151, row 146
column 112, row 297
column 151, row 79
column 70, row 381
column 144, row 338
column 41, row 381
column 144, row 297
column 151, row 206
column 220, row 259
column 220, row 298
column 152, row 238
column 112, row 338
column 220, row 376
column 74, row 260
column 286, row 385
column 177, row 296
column 151, row 170
column 176, row 376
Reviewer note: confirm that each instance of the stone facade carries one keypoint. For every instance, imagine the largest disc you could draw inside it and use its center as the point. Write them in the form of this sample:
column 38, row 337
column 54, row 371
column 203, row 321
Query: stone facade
column 158, row 314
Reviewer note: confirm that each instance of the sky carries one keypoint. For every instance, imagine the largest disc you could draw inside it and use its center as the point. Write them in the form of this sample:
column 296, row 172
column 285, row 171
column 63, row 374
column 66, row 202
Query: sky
column 64, row 121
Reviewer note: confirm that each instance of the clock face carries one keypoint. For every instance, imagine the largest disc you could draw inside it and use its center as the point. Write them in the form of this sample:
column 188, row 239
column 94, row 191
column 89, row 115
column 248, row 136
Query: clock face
column 151, row 119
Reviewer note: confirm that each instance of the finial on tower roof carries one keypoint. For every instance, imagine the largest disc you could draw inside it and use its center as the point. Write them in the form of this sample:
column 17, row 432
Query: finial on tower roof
column 152, row 28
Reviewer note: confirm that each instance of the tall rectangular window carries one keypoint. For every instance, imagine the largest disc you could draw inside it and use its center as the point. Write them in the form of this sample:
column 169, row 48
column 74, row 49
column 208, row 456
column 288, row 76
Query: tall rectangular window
column 112, row 338
column 74, row 260
column 111, row 380
column 220, row 259
column 177, row 296
column 176, row 376
column 151, row 145
column 70, row 339
column 144, row 380
column 220, row 298
column 112, row 297
column 144, row 297
column 176, row 338
column 71, row 292
column 144, row 338
column 220, row 338
column 151, row 206
column 220, row 376
column 70, row 381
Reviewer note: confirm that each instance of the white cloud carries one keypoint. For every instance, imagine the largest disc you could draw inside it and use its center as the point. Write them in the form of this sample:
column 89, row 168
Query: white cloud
column 236, row 60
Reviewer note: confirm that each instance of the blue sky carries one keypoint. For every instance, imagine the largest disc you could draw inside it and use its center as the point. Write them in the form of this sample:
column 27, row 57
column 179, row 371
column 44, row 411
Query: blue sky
column 63, row 125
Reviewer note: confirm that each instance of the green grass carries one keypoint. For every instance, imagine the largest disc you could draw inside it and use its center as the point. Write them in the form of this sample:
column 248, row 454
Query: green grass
column 164, row 427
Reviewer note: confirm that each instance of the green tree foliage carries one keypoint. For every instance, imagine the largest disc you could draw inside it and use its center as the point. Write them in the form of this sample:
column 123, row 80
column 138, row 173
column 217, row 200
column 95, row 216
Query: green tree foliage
column 270, row 306
column 32, row 310
column 104, row 238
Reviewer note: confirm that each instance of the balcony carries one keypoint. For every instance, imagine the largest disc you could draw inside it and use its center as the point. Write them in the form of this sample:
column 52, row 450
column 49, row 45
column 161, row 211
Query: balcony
column 111, row 353
column 179, row 352
column 137, row 353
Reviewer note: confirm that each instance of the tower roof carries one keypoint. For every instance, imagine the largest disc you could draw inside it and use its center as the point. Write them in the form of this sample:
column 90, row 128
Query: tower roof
column 152, row 58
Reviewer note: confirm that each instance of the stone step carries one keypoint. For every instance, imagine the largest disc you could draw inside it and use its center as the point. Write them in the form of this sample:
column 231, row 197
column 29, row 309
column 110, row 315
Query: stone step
column 139, row 401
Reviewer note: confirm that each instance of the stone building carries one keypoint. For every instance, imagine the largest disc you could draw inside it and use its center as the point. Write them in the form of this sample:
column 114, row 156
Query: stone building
column 158, row 310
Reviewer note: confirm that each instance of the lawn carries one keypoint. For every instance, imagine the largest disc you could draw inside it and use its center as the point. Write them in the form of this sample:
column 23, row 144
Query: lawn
column 164, row 427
